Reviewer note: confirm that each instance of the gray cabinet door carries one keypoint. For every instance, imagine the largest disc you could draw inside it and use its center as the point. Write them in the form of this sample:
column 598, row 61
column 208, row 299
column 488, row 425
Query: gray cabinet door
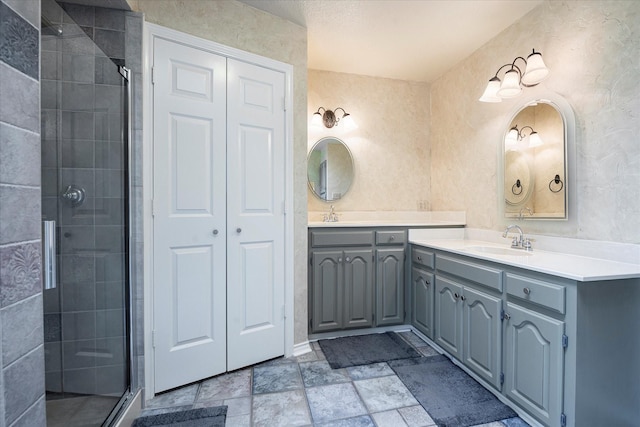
column 482, row 334
column 389, row 286
column 534, row 363
column 448, row 316
column 327, row 291
column 422, row 297
column 358, row 288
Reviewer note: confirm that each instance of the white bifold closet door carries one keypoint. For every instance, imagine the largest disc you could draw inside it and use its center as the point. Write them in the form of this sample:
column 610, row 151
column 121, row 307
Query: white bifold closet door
column 218, row 218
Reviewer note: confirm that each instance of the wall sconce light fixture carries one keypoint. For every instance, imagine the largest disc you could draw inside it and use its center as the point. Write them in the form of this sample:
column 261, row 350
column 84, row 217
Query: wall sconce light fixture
column 535, row 72
column 516, row 135
column 329, row 118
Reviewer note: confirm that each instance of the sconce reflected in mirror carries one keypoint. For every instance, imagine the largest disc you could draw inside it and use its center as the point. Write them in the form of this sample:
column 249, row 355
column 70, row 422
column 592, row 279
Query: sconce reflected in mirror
column 515, row 136
column 329, row 118
column 514, row 79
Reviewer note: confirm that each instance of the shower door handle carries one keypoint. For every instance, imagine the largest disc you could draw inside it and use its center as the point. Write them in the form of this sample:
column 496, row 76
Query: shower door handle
column 49, row 249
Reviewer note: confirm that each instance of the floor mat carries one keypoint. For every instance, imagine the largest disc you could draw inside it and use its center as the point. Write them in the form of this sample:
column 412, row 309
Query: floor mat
column 366, row 349
column 201, row 417
column 450, row 396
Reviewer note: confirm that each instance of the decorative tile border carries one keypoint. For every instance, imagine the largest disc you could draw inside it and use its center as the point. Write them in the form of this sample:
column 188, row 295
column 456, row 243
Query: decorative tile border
column 19, row 42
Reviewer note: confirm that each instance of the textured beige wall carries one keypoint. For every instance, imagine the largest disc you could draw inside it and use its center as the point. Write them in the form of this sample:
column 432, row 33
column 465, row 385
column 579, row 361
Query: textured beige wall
column 592, row 50
column 242, row 27
column 390, row 146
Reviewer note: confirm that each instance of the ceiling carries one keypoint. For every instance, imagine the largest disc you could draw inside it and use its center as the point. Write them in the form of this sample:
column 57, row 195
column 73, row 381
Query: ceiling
column 416, row 40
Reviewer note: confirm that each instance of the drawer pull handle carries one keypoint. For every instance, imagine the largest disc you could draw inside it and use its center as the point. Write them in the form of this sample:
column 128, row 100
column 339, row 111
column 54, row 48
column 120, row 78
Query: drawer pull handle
column 526, row 291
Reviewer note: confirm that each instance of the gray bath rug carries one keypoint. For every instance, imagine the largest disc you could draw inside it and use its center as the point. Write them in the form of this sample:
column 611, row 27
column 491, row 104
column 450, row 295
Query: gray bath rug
column 450, row 396
column 365, row 349
column 201, row 417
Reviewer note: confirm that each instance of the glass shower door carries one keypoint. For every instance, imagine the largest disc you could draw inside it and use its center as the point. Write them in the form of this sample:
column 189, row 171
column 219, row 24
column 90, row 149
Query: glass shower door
column 85, row 212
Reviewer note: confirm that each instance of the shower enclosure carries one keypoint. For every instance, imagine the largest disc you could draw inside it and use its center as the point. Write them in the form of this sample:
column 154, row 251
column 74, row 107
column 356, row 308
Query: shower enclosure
column 85, row 214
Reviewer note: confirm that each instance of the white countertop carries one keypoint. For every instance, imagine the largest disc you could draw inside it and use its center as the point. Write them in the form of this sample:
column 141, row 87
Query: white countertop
column 580, row 268
column 386, row 223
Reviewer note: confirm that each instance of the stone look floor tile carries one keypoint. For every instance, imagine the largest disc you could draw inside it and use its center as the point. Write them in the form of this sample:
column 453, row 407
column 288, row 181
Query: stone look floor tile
column 370, row 371
column 271, row 379
column 416, row 416
column 287, row 408
column 228, row 386
column 320, row 373
column 385, row 393
column 239, row 421
column 273, row 393
column 389, row 419
column 333, row 402
column 361, row 421
column 179, row 397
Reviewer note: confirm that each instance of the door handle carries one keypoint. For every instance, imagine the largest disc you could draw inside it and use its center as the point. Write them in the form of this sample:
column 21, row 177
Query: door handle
column 50, row 267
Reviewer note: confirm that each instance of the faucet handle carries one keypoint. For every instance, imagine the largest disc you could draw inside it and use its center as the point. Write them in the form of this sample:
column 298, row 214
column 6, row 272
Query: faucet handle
column 515, row 242
column 526, row 244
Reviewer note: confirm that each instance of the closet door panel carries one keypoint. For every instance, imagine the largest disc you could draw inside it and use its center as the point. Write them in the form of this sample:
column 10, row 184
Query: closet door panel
column 189, row 203
column 255, row 213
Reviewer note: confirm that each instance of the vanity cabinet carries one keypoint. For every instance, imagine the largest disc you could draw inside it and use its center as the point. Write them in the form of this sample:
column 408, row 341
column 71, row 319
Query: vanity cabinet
column 468, row 327
column 390, row 286
column 468, row 308
column 356, row 278
column 343, row 291
column 561, row 351
column 422, row 285
column 422, row 298
column 534, row 364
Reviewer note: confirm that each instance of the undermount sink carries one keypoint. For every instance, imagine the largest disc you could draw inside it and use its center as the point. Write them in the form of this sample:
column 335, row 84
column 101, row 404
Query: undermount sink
column 493, row 250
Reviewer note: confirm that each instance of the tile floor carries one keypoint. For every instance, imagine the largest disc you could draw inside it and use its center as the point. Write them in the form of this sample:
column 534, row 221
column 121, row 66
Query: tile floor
column 305, row 391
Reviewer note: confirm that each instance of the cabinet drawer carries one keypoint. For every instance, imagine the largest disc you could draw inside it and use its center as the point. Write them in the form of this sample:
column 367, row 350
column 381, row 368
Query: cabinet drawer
column 341, row 238
column 422, row 257
column 390, row 237
column 487, row 276
column 546, row 294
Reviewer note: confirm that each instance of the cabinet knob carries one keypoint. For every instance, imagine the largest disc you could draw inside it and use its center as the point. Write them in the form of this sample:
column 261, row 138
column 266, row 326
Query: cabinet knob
column 426, row 282
column 381, row 258
column 339, row 259
column 507, row 316
column 419, row 258
column 456, row 296
column 347, row 259
column 215, row 232
column 462, row 297
column 238, row 230
column 392, row 238
column 526, row 291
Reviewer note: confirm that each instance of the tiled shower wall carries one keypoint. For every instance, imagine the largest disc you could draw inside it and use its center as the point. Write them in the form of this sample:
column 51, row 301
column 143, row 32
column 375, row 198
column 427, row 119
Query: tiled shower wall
column 90, row 305
column 22, row 380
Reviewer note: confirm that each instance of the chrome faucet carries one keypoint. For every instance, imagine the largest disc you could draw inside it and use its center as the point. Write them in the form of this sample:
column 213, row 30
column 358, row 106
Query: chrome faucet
column 332, row 216
column 518, row 242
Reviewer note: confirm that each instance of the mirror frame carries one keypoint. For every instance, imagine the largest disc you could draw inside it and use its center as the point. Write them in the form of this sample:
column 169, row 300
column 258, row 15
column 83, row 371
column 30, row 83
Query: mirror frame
column 353, row 168
column 542, row 95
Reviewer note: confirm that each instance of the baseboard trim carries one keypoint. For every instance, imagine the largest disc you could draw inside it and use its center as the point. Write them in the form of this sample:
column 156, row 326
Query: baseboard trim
column 301, row 348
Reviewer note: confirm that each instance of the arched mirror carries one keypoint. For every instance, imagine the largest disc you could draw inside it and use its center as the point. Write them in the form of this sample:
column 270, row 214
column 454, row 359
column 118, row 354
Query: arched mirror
column 330, row 169
column 535, row 162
